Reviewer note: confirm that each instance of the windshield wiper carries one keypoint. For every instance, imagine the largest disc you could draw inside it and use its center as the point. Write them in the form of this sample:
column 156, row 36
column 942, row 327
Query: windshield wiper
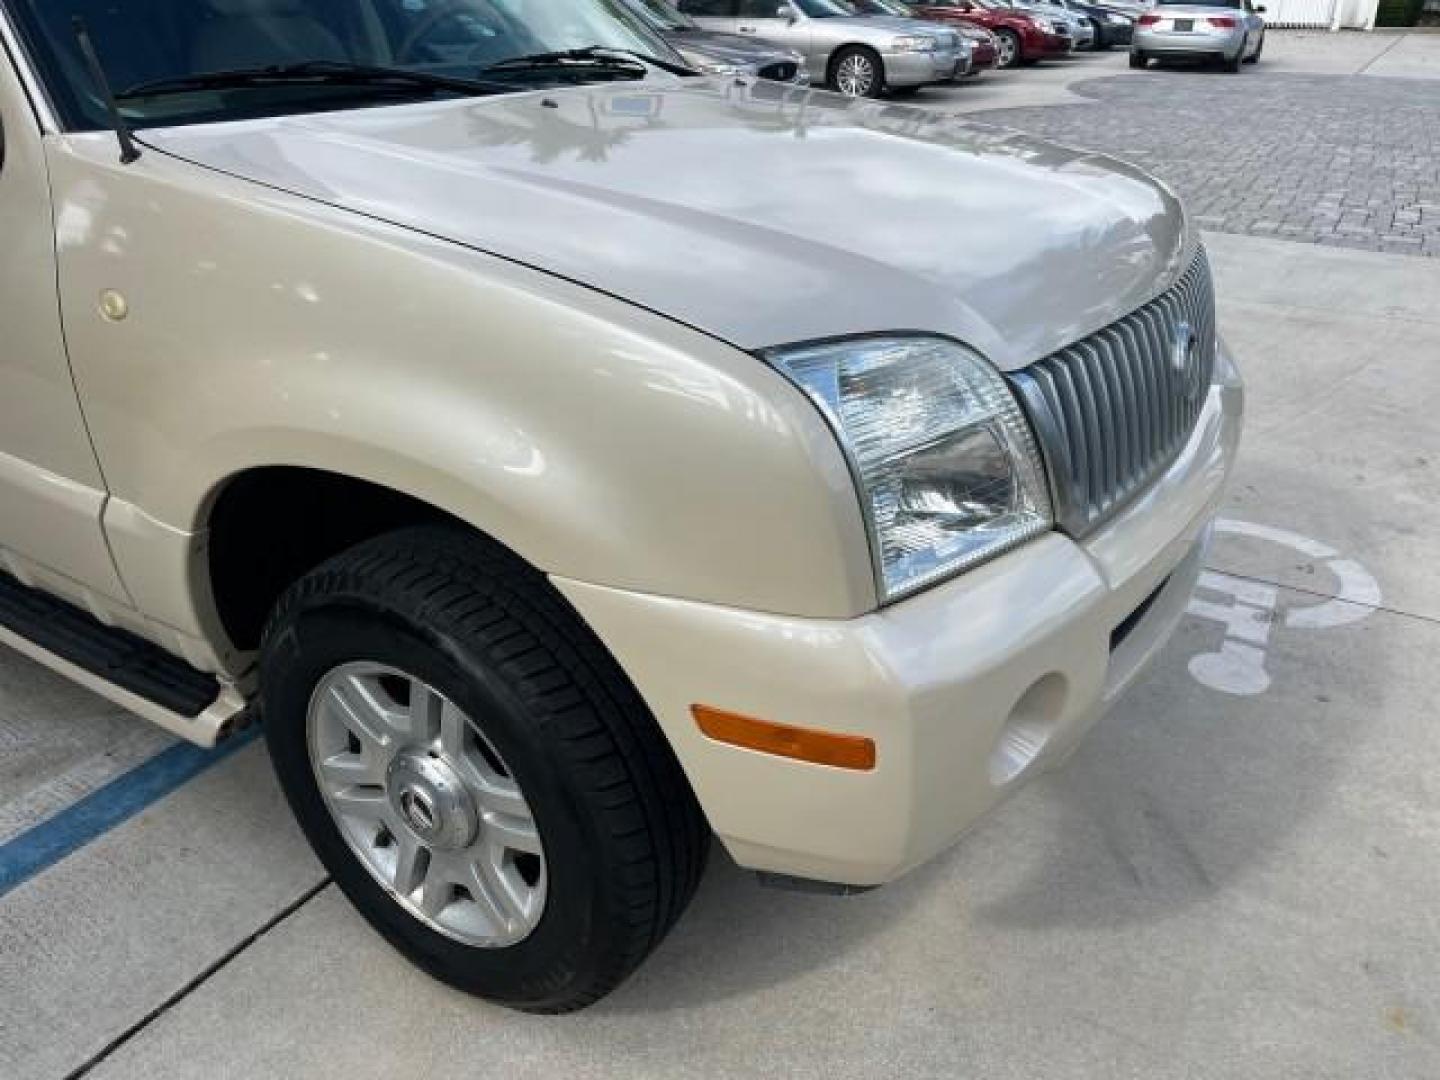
column 311, row 72
column 592, row 56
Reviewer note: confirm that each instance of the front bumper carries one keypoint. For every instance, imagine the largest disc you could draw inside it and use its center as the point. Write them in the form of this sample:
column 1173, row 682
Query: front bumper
column 984, row 57
column 967, row 689
column 1044, row 44
column 905, row 69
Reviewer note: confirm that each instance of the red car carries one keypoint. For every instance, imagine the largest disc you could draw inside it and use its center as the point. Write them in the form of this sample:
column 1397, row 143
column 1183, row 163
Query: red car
column 984, row 52
column 1022, row 37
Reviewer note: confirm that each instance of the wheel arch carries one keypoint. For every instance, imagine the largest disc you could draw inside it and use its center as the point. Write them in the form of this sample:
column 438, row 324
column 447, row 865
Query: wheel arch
column 863, row 46
column 247, row 563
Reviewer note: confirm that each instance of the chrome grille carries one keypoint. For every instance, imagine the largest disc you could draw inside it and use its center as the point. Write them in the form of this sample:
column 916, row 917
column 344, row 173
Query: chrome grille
column 1114, row 410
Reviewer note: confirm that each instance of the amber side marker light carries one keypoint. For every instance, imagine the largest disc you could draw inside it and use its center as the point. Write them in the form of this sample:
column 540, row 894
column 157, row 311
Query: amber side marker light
column 782, row 740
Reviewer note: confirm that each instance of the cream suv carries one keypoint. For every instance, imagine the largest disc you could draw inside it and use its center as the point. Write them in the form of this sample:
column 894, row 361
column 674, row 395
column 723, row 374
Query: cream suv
column 572, row 458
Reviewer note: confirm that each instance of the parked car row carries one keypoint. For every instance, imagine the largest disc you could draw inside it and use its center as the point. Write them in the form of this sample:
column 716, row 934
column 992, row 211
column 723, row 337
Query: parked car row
column 864, row 48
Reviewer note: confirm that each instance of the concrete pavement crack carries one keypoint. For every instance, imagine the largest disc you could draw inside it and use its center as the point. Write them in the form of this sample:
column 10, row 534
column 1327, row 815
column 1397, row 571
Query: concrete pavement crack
column 1381, row 55
column 198, row 981
column 1319, row 594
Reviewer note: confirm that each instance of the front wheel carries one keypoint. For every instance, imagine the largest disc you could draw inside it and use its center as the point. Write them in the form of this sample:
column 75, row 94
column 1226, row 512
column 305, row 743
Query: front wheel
column 475, row 771
column 1255, row 58
column 1009, row 43
column 857, row 72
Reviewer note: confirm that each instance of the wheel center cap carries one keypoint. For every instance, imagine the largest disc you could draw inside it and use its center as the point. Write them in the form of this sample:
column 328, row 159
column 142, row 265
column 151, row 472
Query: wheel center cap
column 429, row 797
column 419, row 811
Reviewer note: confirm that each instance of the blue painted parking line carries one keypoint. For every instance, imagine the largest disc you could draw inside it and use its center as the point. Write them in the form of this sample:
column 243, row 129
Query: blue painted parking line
column 42, row 846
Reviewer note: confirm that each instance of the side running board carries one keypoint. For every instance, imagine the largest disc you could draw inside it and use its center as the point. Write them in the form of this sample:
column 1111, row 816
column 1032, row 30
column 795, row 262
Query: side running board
column 116, row 663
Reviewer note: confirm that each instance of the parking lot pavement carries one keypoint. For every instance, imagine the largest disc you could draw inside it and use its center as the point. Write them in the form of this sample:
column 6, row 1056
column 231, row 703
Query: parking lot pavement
column 1302, row 146
column 1359, row 167
column 1235, row 877
column 59, row 743
column 1216, row 886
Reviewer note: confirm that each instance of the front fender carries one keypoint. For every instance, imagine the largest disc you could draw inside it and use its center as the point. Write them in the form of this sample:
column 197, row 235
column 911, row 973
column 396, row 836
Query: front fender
column 601, row 442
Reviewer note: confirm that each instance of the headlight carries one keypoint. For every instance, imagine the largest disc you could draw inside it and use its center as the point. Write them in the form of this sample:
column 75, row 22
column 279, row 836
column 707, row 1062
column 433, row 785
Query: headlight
column 913, row 44
column 946, row 464
column 720, row 68
column 1045, row 24
column 1118, row 20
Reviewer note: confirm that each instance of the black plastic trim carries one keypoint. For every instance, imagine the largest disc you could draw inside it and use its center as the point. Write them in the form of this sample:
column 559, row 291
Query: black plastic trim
column 112, row 654
column 787, row 883
column 1131, row 621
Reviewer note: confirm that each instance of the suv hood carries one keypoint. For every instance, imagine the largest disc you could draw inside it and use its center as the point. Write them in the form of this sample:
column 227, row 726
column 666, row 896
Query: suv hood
column 752, row 211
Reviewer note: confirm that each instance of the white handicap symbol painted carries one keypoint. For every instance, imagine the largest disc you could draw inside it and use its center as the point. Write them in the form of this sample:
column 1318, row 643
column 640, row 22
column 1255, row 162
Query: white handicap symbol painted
column 1248, row 610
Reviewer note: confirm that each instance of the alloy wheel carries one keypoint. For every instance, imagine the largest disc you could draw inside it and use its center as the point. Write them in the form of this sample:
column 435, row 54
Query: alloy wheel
column 427, row 804
column 855, row 75
column 1008, row 50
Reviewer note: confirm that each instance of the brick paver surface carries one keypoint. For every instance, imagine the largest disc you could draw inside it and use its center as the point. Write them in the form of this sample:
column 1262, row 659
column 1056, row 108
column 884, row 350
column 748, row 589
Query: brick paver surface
column 1352, row 161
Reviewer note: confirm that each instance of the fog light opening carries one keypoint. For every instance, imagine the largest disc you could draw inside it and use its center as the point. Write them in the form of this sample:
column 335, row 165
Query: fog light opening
column 1032, row 722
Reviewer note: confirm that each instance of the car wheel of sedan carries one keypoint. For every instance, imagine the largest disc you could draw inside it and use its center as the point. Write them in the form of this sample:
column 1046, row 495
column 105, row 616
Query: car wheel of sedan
column 1138, row 60
column 1231, row 64
column 857, row 72
column 475, row 771
column 1255, row 57
column 1009, row 43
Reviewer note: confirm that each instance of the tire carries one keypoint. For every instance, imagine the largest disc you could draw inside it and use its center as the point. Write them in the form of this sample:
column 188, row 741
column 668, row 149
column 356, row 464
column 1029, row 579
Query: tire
column 554, row 729
column 1231, row 65
column 1258, row 50
column 1138, row 60
column 860, row 70
column 1009, row 43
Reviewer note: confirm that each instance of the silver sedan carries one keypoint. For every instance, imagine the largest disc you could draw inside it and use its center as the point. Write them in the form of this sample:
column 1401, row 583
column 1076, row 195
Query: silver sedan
column 1230, row 32
column 858, row 56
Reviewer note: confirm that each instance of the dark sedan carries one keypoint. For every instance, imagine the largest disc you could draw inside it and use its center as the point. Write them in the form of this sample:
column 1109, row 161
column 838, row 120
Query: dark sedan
column 1112, row 27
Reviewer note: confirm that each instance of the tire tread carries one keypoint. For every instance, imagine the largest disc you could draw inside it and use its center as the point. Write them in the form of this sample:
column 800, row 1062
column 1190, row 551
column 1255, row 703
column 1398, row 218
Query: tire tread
column 484, row 595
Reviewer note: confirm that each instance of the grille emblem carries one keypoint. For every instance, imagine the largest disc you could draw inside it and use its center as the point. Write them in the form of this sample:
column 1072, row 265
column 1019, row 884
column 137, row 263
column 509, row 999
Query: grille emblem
column 1185, row 357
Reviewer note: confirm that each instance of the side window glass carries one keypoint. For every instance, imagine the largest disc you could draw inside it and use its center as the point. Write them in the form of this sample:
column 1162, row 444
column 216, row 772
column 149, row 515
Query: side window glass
column 713, row 9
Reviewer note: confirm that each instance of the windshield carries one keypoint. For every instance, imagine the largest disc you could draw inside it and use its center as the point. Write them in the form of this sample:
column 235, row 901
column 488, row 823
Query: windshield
column 154, row 41
column 883, row 7
column 825, row 9
column 663, row 15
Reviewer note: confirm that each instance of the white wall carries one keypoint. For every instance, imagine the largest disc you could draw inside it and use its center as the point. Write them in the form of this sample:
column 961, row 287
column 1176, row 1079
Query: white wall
column 1322, row 14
